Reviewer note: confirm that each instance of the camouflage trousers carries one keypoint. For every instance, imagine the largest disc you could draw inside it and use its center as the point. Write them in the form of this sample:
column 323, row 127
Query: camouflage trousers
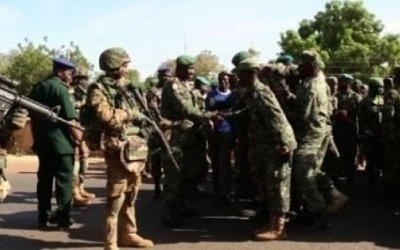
column 276, row 181
column 307, row 161
column 81, row 166
column 122, row 190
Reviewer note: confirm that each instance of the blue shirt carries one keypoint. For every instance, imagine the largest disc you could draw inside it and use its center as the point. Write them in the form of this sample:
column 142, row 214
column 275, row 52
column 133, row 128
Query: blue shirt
column 217, row 100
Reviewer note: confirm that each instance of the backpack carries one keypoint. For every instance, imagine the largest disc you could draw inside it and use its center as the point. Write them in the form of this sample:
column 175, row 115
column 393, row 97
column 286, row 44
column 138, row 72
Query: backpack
column 93, row 134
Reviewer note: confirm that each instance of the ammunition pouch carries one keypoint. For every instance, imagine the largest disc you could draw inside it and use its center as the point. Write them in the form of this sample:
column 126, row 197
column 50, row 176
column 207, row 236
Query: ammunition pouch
column 133, row 153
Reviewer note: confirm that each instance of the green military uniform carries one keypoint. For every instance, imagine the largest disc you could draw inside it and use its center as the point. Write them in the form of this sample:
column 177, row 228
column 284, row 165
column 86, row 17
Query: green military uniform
column 312, row 126
column 370, row 119
column 55, row 149
column 187, row 143
column 345, row 128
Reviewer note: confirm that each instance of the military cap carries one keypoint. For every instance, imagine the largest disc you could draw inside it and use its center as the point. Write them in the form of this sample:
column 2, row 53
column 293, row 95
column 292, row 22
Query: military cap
column 248, row 64
column 185, row 60
column 202, row 81
column 62, row 62
column 375, row 82
column 240, row 56
column 163, row 68
column 346, row 77
column 285, row 59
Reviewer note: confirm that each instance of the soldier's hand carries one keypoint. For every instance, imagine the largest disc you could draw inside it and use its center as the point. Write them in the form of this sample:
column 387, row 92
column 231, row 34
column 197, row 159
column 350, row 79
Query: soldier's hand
column 83, row 150
column 210, row 114
column 19, row 118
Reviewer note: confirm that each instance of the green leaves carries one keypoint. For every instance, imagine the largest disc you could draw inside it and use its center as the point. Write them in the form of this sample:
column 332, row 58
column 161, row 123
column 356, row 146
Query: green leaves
column 348, row 37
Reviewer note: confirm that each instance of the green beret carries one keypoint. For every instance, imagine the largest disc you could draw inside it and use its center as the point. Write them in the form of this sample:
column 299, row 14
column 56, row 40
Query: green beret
column 375, row 82
column 240, row 56
column 346, row 77
column 285, row 59
column 185, row 60
column 248, row 64
column 202, row 81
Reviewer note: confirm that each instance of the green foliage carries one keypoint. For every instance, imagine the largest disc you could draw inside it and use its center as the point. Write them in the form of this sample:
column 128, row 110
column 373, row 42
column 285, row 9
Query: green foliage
column 133, row 76
column 348, row 37
column 31, row 63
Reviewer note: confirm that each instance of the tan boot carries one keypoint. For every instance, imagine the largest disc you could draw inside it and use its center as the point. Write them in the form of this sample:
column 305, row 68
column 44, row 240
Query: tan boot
column 276, row 231
column 134, row 240
column 78, row 200
column 86, row 194
column 338, row 200
column 110, row 247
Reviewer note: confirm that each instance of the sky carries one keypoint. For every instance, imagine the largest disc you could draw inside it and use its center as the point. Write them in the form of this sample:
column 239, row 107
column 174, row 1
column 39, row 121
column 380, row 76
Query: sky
column 153, row 31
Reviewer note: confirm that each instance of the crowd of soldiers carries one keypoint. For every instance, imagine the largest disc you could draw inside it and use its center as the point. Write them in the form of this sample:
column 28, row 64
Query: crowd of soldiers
column 278, row 133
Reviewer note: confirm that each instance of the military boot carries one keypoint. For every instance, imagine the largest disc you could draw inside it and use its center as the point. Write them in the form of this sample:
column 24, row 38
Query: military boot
column 134, row 240
column 78, row 200
column 276, row 231
column 337, row 201
column 84, row 193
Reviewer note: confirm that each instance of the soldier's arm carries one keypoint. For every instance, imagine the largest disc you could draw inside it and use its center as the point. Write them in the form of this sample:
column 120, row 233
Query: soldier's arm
column 185, row 107
column 110, row 116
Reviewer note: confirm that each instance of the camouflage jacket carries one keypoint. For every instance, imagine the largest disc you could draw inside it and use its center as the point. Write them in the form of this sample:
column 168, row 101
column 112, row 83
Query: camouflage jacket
column 178, row 103
column 268, row 126
column 371, row 115
column 117, row 116
column 311, row 112
column 350, row 103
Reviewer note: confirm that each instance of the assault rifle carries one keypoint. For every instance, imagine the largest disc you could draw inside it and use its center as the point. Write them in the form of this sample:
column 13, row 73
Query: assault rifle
column 9, row 97
column 132, row 93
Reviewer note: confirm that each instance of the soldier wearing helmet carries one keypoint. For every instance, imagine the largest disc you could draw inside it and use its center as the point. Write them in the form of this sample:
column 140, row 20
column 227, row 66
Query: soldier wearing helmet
column 125, row 151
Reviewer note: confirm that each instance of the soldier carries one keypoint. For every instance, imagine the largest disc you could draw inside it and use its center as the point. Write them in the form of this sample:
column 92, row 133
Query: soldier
column 244, row 181
column 10, row 122
column 201, row 88
column 312, row 126
column 391, row 128
column 182, row 120
column 55, row 144
column 345, row 129
column 388, row 84
column 370, row 119
column 154, row 102
column 121, row 122
column 272, row 142
column 81, row 198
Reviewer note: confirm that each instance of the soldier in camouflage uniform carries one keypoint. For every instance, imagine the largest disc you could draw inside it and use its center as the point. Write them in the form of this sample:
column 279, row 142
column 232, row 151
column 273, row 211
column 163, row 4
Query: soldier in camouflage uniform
column 312, row 126
column 121, row 121
column 345, row 129
column 182, row 120
column 10, row 122
column 272, row 142
column 153, row 98
column 391, row 128
column 81, row 198
column 244, row 182
column 370, row 120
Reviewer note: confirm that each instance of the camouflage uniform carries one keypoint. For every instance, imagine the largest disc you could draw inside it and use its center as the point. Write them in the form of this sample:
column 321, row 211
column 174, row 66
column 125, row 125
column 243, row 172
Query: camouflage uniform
column 370, row 119
column 311, row 123
column 345, row 129
column 121, row 121
column 187, row 143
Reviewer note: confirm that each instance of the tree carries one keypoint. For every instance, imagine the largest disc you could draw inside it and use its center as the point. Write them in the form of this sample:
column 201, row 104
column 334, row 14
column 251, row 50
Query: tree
column 30, row 63
column 207, row 64
column 348, row 37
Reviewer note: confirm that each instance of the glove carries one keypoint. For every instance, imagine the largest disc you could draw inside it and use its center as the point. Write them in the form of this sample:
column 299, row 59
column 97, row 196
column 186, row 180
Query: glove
column 19, row 118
